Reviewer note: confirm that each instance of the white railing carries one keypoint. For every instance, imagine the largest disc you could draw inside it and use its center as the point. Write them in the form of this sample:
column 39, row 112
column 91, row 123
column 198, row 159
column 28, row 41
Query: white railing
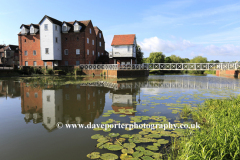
column 163, row 66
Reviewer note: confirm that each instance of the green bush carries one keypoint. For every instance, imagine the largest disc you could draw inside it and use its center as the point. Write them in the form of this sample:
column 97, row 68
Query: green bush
column 49, row 71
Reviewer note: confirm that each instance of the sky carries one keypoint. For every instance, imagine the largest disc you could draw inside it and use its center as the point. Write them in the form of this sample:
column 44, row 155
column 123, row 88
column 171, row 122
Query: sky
column 185, row 28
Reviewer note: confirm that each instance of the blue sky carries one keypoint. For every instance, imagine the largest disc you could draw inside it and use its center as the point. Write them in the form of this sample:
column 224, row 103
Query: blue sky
column 186, row 28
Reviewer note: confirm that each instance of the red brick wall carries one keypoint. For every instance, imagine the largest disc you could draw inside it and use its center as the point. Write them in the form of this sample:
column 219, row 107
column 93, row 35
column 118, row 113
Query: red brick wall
column 74, row 41
column 89, row 46
column 29, row 46
column 100, row 49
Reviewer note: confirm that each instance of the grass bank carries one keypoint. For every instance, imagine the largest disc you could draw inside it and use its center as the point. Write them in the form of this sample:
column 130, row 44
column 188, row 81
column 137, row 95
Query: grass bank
column 219, row 136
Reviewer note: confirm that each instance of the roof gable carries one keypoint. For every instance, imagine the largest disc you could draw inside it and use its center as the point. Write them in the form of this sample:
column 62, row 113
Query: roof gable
column 127, row 39
column 52, row 20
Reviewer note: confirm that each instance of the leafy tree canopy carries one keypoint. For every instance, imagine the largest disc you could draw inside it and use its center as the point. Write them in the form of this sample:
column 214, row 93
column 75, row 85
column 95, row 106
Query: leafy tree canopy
column 156, row 57
column 199, row 59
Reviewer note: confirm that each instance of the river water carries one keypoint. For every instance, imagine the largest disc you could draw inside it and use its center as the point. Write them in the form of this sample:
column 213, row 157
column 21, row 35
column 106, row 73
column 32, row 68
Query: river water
column 31, row 108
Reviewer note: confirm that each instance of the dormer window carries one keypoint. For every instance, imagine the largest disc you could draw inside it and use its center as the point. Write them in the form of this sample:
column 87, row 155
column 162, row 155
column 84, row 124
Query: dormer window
column 65, row 28
column 24, row 30
column 32, row 30
column 77, row 27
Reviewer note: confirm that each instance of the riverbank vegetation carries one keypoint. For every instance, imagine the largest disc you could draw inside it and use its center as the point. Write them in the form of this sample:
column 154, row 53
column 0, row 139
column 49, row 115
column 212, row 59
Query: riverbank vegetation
column 219, row 136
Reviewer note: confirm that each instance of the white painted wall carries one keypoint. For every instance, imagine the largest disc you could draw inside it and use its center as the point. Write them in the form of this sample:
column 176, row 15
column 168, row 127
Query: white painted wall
column 52, row 109
column 24, row 30
column 124, row 99
column 47, row 40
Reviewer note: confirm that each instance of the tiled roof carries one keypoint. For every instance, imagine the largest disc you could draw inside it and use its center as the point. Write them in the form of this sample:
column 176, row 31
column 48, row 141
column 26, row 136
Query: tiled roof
column 126, row 39
column 96, row 29
column 84, row 24
column 35, row 25
column 26, row 26
column 55, row 21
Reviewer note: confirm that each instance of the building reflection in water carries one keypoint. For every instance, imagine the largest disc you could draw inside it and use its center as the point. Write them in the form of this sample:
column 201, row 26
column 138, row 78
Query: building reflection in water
column 9, row 89
column 67, row 104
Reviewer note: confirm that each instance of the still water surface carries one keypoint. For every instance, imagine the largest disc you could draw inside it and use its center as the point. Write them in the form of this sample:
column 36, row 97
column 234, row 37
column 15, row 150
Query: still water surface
column 29, row 112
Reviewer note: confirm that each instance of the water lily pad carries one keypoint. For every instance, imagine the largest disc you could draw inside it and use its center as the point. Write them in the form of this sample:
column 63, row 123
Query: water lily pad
column 109, row 156
column 105, row 115
column 114, row 147
column 147, row 158
column 128, row 150
column 97, row 129
column 155, row 135
column 94, row 155
column 125, row 156
column 157, row 155
column 162, row 141
column 137, row 154
column 129, row 145
column 113, row 134
column 103, row 139
column 126, row 135
column 122, row 115
column 148, row 153
column 107, row 130
column 153, row 148
column 96, row 136
column 140, row 148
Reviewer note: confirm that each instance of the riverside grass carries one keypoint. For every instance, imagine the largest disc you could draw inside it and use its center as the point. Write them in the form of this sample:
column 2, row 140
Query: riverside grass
column 219, row 136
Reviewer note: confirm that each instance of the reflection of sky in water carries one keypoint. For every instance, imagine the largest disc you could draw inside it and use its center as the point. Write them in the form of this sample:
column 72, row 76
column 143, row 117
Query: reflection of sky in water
column 74, row 103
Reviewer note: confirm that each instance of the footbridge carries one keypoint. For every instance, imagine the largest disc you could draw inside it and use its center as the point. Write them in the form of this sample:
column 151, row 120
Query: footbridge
column 163, row 66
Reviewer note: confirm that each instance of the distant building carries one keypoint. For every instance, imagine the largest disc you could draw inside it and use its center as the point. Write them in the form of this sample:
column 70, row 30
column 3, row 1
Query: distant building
column 123, row 49
column 9, row 55
column 56, row 43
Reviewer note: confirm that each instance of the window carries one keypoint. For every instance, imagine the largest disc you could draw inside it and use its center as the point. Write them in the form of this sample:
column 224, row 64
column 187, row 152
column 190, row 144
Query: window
column 34, row 53
column 56, row 39
column 102, row 54
column 90, row 31
column 87, row 52
column 26, row 63
column 98, row 54
column 48, row 120
column 45, row 27
column 48, row 98
column 89, row 62
column 88, row 96
column 77, row 51
column 77, row 63
column 46, row 50
column 100, row 35
column 117, row 53
column 66, row 63
column 66, row 38
column 93, row 53
column 100, row 44
column 92, row 42
column 25, row 40
column 36, row 95
column 27, row 94
column 65, row 28
column 66, row 51
column 34, row 63
column 128, row 48
column 78, row 97
column 87, row 40
column 93, row 94
column 25, row 53
column 67, row 97
column 56, row 28
column 45, row 63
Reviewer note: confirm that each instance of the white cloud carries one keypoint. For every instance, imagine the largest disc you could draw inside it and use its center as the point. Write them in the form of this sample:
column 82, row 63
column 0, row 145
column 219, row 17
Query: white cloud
column 154, row 44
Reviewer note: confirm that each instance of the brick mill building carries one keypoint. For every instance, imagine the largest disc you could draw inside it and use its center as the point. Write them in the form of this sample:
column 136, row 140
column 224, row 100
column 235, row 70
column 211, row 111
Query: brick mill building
column 56, row 43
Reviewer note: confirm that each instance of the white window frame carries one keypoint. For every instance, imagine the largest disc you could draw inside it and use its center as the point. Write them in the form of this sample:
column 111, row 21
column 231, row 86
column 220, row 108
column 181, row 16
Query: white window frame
column 87, row 51
column 46, row 27
column 77, row 51
column 25, row 53
column 34, row 63
column 98, row 54
column 93, row 53
column 92, row 42
column 100, row 44
column 88, row 40
column 56, row 39
column 66, row 52
column 26, row 63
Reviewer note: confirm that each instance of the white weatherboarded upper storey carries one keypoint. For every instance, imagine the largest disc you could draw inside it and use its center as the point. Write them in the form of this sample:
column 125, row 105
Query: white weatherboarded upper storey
column 50, row 40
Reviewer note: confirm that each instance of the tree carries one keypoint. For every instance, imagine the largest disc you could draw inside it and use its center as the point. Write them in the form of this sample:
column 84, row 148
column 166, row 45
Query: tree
column 186, row 60
column 176, row 59
column 198, row 59
column 156, row 57
column 139, row 54
column 167, row 60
